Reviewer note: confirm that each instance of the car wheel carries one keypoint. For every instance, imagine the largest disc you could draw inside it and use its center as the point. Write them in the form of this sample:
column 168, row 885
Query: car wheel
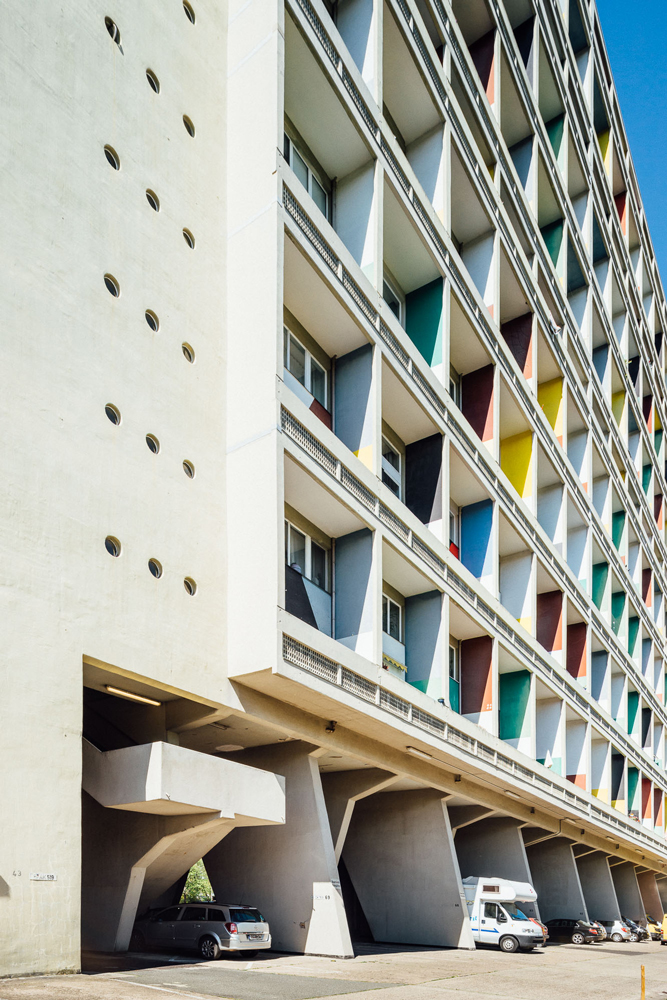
column 209, row 948
column 663, row 942
column 577, row 938
column 617, row 938
column 137, row 941
column 509, row 944
column 634, row 937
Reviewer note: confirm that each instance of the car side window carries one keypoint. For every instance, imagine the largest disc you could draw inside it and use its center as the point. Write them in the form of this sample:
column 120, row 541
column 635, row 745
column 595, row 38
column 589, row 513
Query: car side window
column 216, row 914
column 194, row 913
column 170, row 914
column 490, row 910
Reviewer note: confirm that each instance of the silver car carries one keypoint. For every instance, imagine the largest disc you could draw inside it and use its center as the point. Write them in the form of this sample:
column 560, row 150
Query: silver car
column 208, row 928
column 617, row 930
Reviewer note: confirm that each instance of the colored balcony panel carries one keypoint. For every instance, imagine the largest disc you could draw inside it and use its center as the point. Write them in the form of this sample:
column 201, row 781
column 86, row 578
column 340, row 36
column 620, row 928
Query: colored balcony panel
column 634, row 364
column 600, row 576
column 476, row 679
column 354, row 591
column 617, row 609
column 513, row 711
column 658, row 808
column 424, row 320
column 550, row 398
column 549, row 732
column 646, row 727
column 647, row 471
column 477, row 401
column 617, row 528
column 621, row 202
column 577, row 651
column 618, row 799
column 647, row 587
column 633, row 793
column 423, row 652
column 600, row 677
column 549, row 625
column 518, row 334
column 575, row 275
column 647, row 410
column 618, row 406
column 555, row 130
column 600, row 770
column 658, row 510
column 658, row 435
column 307, row 601
column 477, row 538
column 633, row 712
column 524, row 34
column 576, row 732
column 423, row 478
column 552, row 234
column 600, row 361
column 353, row 412
column 633, row 632
column 516, row 461
column 647, row 804
column 454, row 695
column 482, row 53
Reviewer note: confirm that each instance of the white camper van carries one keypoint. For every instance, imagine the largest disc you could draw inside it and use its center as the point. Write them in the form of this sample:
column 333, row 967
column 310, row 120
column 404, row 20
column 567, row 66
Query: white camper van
column 494, row 916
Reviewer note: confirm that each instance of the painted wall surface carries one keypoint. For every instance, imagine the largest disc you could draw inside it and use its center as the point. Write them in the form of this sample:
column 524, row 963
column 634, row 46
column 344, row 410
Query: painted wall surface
column 576, row 650
column 550, row 398
column 476, row 552
column 516, row 461
column 518, row 334
column 549, row 733
column 424, row 319
column 516, row 574
column 423, row 478
column 354, row 596
column 575, row 747
column 477, row 400
column 476, row 686
column 549, row 624
column 628, row 895
column 353, row 405
column 423, row 642
column 514, row 716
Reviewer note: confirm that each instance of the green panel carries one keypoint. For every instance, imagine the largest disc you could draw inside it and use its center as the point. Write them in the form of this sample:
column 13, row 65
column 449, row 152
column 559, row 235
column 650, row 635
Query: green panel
column 633, row 782
column 424, row 320
column 556, row 764
column 454, row 699
column 633, row 707
column 555, row 132
column 657, row 440
column 633, row 632
column 553, row 238
column 600, row 574
column 617, row 526
column 646, row 477
column 617, row 607
column 420, row 685
column 514, row 693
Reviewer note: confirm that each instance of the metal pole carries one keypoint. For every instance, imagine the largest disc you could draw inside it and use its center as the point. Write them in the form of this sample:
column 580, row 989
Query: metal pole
column 643, row 982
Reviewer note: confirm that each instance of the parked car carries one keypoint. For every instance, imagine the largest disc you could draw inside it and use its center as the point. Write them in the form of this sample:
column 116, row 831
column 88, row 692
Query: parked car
column 207, row 928
column 617, row 930
column 637, row 933
column 653, row 927
column 576, row 931
column 544, row 928
column 602, row 933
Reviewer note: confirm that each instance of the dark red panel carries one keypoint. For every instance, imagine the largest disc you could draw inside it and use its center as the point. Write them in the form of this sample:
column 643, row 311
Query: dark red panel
column 550, row 620
column 476, row 688
column 576, row 649
column 477, row 401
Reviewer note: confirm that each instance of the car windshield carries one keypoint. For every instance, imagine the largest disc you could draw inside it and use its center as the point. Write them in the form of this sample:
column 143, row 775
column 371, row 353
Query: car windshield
column 246, row 916
column 514, row 912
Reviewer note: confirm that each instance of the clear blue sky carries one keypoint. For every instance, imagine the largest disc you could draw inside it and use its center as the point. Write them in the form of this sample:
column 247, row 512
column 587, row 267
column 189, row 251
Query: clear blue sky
column 636, row 37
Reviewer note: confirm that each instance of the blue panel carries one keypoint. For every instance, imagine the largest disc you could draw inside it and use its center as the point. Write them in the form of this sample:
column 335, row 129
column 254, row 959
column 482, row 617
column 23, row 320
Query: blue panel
column 353, row 385
column 354, row 554
column 476, row 524
column 422, row 630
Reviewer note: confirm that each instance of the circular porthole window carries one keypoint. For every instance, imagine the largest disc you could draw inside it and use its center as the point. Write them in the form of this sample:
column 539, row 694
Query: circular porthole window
column 189, row 469
column 153, row 80
column 112, row 545
column 112, row 28
column 189, row 238
column 112, row 285
column 113, row 413
column 153, row 443
column 190, row 586
column 189, row 12
column 152, row 320
column 189, row 125
column 188, row 353
column 153, row 200
column 112, row 157
column 155, row 567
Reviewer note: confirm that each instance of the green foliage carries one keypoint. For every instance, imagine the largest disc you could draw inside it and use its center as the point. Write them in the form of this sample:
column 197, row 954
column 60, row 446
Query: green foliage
column 197, row 886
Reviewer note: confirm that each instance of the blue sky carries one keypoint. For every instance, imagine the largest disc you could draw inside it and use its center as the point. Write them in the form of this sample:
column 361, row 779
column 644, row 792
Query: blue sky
column 636, row 38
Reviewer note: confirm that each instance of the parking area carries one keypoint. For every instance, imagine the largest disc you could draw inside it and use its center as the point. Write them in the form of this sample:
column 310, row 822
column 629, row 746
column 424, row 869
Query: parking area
column 558, row 972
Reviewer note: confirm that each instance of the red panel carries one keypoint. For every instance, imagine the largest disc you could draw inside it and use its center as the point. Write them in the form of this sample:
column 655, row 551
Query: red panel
column 320, row 412
column 477, row 401
column 622, row 209
column 657, row 807
column 576, row 649
column 647, row 408
column 646, row 798
column 647, row 589
column 482, row 52
column 578, row 779
column 476, row 690
column 550, row 620
column 454, row 549
column 519, row 336
column 657, row 509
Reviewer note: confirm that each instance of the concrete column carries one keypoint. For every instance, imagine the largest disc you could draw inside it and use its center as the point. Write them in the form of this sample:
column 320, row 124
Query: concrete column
column 556, row 880
column 290, row 872
column 400, row 857
column 342, row 789
column 628, row 895
column 598, row 887
column 494, row 848
column 648, row 888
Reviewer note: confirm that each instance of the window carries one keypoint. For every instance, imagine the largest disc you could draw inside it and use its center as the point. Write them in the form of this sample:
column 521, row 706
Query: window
column 306, row 556
column 454, row 666
column 394, row 299
column 302, row 365
column 170, row 914
column 246, row 916
column 490, row 911
column 454, row 530
column 112, row 545
column 188, row 469
column 314, row 183
column 391, row 467
column 113, row 413
column 216, row 914
column 112, row 285
column 188, row 353
column 153, row 443
column 190, row 14
column 112, row 28
column 194, row 913
column 455, row 385
column 391, row 618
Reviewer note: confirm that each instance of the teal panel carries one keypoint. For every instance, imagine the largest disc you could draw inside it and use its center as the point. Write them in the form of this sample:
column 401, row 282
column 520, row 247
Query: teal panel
column 553, row 237
column 617, row 608
column 658, row 440
column 633, row 707
column 555, row 129
column 420, row 685
column 617, row 526
column 633, row 782
column 514, row 693
column 424, row 320
column 600, row 574
column 556, row 764
column 454, row 694
column 575, row 276
column 633, row 632
column 646, row 477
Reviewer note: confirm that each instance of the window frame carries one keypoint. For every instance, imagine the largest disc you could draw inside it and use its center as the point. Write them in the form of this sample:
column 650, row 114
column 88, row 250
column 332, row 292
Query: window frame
column 310, row 359
column 396, row 475
column 308, row 568
column 398, row 295
column 389, row 601
column 289, row 146
column 455, row 648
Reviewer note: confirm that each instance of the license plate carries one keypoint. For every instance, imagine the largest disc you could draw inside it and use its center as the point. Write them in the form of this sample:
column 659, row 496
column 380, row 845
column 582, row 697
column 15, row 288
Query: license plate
column 254, row 937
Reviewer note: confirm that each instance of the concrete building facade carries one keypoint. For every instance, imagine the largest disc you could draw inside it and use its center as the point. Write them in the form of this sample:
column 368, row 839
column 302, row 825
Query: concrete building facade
column 334, row 471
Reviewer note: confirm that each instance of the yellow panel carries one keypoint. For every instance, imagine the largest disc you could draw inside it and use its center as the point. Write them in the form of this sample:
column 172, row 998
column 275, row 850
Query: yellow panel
column 550, row 398
column 618, row 406
column 365, row 455
column 516, row 461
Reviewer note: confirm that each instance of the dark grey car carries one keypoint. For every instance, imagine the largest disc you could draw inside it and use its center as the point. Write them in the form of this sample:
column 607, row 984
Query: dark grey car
column 208, row 928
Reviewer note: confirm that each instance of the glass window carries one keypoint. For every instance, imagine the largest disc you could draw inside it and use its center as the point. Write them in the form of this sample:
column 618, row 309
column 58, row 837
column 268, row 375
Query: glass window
column 295, row 360
column 455, row 385
column 318, row 382
column 391, row 467
column 216, row 914
column 303, row 366
column 170, row 914
column 454, row 662
column 306, row 556
column 513, row 910
column 296, row 549
column 306, row 175
column 490, row 911
column 194, row 913
column 391, row 618
column 318, row 565
column 299, row 167
column 246, row 916
column 319, row 196
column 454, row 527
column 393, row 300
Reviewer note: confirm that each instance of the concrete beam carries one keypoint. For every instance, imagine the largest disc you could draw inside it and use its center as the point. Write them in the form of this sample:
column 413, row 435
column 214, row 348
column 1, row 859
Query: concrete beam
column 648, row 888
column 598, row 887
column 290, row 871
column 460, row 816
column 556, row 880
column 627, row 890
column 495, row 848
column 400, row 856
column 342, row 789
